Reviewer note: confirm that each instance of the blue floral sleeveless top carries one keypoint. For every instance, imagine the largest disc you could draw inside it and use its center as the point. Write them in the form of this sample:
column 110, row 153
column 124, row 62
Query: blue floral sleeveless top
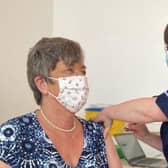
column 24, row 144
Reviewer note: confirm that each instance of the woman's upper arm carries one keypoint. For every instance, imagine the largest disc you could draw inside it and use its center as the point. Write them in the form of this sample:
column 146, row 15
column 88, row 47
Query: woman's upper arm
column 112, row 155
column 4, row 165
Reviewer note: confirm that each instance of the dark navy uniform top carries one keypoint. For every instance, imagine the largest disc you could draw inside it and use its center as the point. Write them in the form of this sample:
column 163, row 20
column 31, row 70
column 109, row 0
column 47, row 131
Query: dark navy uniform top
column 24, row 144
column 162, row 102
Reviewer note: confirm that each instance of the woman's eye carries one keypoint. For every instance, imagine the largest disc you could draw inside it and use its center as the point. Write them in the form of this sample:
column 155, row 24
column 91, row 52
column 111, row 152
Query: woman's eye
column 84, row 72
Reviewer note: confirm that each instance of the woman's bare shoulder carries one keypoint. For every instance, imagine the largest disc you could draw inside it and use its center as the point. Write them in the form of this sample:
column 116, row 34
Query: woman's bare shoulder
column 4, row 165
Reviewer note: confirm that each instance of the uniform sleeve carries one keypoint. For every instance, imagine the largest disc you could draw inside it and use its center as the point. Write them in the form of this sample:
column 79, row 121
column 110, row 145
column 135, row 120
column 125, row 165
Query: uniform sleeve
column 162, row 102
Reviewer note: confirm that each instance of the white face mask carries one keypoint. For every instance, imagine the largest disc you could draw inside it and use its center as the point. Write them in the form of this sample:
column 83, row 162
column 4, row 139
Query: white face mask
column 73, row 92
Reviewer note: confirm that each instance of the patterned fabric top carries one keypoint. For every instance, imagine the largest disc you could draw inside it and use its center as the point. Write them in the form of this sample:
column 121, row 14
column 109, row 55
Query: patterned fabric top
column 24, row 144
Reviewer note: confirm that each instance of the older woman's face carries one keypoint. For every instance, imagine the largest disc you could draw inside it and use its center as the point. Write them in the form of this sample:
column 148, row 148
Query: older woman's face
column 63, row 70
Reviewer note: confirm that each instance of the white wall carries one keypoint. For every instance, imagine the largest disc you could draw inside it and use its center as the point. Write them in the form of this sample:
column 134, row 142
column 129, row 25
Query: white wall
column 22, row 23
column 123, row 43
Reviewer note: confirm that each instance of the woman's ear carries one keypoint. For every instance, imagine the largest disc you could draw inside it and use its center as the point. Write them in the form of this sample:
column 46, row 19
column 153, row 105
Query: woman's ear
column 41, row 84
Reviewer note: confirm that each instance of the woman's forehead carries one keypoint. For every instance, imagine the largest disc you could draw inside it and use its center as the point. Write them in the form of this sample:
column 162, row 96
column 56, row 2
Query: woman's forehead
column 62, row 65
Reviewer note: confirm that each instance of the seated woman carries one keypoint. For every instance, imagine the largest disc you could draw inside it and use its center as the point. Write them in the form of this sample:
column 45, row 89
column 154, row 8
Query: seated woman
column 52, row 136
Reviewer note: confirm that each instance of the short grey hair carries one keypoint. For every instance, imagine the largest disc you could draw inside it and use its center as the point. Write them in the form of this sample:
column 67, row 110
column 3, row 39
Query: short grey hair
column 166, row 36
column 45, row 55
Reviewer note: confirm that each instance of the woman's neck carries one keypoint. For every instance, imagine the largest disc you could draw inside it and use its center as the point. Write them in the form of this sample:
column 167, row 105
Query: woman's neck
column 57, row 116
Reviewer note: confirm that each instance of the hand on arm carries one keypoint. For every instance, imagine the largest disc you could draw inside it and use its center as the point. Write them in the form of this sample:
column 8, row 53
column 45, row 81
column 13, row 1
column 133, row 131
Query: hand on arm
column 142, row 133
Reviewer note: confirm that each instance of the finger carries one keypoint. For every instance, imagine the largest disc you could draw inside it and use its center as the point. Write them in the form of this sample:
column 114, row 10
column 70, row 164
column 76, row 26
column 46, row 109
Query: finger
column 107, row 123
column 131, row 124
column 128, row 130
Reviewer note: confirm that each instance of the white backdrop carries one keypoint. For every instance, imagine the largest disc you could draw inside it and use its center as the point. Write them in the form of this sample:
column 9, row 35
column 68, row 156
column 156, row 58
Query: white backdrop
column 123, row 44
column 22, row 24
column 122, row 40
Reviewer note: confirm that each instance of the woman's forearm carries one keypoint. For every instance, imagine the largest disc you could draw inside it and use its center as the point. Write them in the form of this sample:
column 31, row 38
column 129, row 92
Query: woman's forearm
column 141, row 110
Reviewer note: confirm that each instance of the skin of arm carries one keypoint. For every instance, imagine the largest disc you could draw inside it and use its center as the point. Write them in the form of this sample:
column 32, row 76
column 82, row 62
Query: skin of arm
column 112, row 156
column 153, row 140
column 139, row 111
column 142, row 110
column 4, row 165
column 141, row 131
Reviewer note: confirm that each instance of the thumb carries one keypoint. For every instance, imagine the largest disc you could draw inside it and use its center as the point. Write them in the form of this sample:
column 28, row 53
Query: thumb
column 107, row 125
column 106, row 132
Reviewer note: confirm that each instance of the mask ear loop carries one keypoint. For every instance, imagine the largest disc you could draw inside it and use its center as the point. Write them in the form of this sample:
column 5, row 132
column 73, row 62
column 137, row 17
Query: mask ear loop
column 52, row 79
column 52, row 95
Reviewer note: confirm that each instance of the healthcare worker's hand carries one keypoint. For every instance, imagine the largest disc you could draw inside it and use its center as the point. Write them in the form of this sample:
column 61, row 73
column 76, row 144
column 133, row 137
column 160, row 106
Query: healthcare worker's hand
column 140, row 130
column 102, row 117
